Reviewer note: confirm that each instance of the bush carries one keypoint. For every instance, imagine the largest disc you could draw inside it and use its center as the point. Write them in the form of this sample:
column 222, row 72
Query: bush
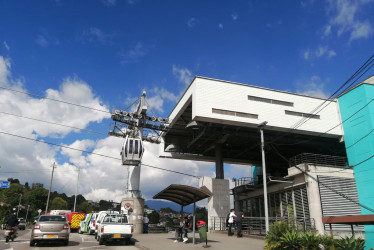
column 350, row 243
column 276, row 231
column 310, row 241
column 291, row 240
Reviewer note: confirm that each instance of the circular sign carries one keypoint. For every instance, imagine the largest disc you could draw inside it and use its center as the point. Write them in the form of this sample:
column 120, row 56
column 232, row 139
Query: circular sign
column 127, row 206
column 39, row 210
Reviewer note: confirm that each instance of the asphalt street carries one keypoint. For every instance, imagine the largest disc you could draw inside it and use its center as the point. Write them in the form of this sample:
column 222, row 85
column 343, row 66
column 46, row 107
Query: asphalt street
column 76, row 241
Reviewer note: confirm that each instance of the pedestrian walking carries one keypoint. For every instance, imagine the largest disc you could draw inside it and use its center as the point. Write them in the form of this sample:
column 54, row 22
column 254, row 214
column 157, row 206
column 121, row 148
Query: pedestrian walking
column 145, row 224
column 230, row 221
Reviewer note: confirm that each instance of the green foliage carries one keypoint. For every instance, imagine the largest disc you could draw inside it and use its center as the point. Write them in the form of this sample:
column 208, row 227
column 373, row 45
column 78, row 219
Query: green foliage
column 37, row 198
column 272, row 240
column 201, row 214
column 59, row 204
column 167, row 210
column 309, row 240
column 154, row 217
column 327, row 241
column 291, row 240
column 85, row 207
column 12, row 194
column 350, row 243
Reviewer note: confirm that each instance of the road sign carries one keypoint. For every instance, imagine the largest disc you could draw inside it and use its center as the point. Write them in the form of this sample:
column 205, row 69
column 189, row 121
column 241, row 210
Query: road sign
column 128, row 206
column 4, row 184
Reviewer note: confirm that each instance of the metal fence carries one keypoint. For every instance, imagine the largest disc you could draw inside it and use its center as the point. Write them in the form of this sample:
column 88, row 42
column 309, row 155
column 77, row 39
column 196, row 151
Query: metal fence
column 327, row 160
column 256, row 225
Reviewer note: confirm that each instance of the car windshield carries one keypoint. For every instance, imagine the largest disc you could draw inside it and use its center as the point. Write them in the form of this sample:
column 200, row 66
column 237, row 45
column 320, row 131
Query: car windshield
column 22, row 221
column 53, row 218
column 115, row 219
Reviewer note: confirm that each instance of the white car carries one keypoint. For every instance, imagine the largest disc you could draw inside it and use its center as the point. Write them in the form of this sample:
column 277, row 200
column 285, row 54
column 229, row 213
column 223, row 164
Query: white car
column 99, row 219
column 115, row 227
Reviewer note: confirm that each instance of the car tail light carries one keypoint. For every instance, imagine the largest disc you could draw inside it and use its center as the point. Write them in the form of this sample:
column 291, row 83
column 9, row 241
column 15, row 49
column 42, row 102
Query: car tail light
column 36, row 226
column 102, row 229
column 94, row 223
column 66, row 226
column 132, row 229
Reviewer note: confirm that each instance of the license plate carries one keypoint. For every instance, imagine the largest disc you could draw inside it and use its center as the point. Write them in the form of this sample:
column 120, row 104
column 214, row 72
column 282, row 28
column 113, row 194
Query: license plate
column 116, row 236
column 50, row 236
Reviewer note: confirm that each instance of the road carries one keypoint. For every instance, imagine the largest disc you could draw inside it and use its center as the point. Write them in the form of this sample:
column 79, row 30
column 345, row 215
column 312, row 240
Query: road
column 76, row 241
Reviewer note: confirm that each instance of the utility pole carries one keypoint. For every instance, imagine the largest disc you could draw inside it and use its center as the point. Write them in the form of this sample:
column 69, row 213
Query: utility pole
column 76, row 191
column 19, row 203
column 261, row 127
column 50, row 187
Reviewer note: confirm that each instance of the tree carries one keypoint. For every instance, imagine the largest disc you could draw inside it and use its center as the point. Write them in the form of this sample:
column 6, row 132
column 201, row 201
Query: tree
column 154, row 217
column 37, row 198
column 59, row 204
column 201, row 214
column 12, row 194
column 105, row 205
column 11, row 180
column 85, row 207
column 27, row 186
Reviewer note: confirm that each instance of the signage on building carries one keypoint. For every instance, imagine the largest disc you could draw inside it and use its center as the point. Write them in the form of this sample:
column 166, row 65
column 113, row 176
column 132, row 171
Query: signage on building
column 4, row 184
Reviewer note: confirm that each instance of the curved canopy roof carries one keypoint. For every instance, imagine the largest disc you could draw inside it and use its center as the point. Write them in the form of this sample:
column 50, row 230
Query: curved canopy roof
column 182, row 194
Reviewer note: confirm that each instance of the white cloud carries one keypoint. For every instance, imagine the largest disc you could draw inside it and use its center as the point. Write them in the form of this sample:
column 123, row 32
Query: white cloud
column 183, row 75
column 327, row 30
column 346, row 18
column 94, row 34
column 42, row 41
column 192, row 22
column 312, row 87
column 320, row 51
column 220, row 26
column 6, row 46
column 100, row 177
column 133, row 55
column 234, row 16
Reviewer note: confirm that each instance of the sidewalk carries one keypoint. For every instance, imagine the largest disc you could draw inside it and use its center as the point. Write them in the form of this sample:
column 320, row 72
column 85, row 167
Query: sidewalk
column 217, row 241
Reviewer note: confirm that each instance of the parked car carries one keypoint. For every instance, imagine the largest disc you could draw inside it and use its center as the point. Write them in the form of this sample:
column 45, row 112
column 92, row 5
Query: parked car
column 115, row 227
column 21, row 224
column 50, row 228
column 99, row 219
column 86, row 225
column 92, row 224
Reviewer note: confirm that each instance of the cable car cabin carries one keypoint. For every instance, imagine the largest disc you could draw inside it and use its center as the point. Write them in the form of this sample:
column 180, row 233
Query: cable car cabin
column 132, row 151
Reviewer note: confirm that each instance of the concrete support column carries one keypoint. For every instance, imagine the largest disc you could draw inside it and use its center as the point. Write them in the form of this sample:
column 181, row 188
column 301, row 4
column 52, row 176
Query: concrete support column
column 219, row 202
column 134, row 207
column 219, row 161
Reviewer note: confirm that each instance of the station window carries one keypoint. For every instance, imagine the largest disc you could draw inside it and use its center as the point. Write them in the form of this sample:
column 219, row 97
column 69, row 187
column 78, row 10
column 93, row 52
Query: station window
column 306, row 115
column 272, row 101
column 234, row 113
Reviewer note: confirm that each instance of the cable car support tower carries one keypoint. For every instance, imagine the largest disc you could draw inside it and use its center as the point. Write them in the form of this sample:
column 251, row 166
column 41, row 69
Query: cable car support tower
column 136, row 126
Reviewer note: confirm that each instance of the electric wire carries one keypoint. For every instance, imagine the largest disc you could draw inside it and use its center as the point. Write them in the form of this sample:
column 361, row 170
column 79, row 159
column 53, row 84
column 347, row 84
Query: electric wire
column 313, row 138
column 93, row 153
column 326, row 186
column 55, row 100
column 54, row 123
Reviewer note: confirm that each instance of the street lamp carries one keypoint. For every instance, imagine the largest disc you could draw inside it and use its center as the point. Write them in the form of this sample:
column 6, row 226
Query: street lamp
column 261, row 127
column 19, row 203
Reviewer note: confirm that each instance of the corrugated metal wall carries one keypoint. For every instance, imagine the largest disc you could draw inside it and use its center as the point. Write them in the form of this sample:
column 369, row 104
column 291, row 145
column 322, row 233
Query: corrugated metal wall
column 336, row 205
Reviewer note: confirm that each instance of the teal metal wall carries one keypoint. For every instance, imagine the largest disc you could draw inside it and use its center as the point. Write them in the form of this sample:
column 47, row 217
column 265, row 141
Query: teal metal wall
column 358, row 107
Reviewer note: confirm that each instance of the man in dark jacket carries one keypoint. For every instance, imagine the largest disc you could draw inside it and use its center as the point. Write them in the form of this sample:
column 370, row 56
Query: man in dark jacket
column 239, row 221
column 12, row 222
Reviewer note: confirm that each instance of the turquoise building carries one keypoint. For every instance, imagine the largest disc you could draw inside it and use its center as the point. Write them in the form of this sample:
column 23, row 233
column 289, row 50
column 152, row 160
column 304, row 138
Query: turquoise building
column 357, row 114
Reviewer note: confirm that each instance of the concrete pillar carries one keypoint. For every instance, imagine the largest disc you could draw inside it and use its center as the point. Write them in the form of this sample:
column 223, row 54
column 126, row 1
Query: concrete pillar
column 219, row 161
column 314, row 199
column 219, row 202
column 134, row 207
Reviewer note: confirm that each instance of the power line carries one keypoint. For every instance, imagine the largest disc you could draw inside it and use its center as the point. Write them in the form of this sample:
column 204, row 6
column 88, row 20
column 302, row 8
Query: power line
column 296, row 143
column 90, row 152
column 54, row 123
column 326, row 186
column 55, row 100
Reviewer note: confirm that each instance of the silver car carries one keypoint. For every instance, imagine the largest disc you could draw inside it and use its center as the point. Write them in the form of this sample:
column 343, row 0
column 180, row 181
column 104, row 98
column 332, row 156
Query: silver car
column 50, row 228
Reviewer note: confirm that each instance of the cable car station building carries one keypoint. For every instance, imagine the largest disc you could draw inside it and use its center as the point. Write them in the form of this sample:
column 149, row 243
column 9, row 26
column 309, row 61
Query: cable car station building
column 305, row 151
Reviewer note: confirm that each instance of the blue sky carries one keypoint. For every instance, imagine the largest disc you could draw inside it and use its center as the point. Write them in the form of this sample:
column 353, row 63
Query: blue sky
column 103, row 53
